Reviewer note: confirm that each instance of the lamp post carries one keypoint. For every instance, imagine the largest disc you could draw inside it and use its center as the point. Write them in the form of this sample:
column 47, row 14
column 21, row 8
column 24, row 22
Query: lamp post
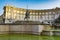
column 27, row 14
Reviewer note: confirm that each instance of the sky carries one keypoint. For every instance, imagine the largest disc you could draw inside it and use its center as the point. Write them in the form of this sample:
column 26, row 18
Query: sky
column 32, row 4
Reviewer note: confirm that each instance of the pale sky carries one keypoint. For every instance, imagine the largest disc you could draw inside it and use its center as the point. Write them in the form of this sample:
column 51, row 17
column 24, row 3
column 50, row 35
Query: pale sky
column 32, row 4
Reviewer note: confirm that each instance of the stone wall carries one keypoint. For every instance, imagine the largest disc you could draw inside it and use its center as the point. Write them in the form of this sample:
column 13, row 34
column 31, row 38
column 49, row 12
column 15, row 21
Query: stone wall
column 4, row 29
column 31, row 29
column 47, row 27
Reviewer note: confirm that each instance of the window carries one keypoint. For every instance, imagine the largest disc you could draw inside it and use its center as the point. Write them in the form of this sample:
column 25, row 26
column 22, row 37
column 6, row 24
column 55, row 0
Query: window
column 49, row 12
column 46, row 13
column 46, row 17
column 42, row 13
column 24, row 12
column 39, row 13
column 58, row 12
column 8, row 14
column 36, row 18
column 14, row 10
column 33, row 18
column 9, row 10
column 21, row 11
column 30, row 13
column 33, row 13
column 42, row 17
column 49, row 17
column 36, row 13
column 53, row 12
column 17, row 11
column 30, row 17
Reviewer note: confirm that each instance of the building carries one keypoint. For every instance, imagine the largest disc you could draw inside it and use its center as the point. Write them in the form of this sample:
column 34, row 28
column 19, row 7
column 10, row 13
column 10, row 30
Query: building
column 12, row 14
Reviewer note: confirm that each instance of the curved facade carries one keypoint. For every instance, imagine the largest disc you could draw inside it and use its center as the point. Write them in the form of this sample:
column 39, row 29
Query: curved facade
column 18, row 14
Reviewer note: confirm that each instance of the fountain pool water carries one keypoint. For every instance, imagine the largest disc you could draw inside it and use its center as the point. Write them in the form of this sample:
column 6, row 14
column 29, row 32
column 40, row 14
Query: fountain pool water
column 27, row 37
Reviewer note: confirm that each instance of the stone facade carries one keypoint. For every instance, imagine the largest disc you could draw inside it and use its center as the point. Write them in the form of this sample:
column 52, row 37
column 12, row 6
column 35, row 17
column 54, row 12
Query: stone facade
column 12, row 14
